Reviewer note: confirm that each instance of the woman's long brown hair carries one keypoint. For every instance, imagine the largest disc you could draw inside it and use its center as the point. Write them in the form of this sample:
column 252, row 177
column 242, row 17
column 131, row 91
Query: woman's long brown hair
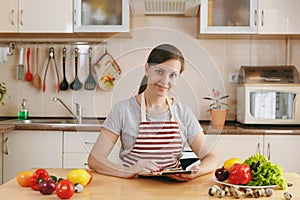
column 158, row 55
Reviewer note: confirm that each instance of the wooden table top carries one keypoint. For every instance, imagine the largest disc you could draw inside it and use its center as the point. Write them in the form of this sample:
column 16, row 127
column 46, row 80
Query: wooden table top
column 106, row 187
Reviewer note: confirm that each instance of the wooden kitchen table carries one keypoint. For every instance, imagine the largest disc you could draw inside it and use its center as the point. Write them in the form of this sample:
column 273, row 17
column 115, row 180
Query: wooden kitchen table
column 110, row 188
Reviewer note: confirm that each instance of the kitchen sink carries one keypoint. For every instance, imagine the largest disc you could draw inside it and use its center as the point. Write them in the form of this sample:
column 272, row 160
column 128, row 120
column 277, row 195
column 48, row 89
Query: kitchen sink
column 56, row 122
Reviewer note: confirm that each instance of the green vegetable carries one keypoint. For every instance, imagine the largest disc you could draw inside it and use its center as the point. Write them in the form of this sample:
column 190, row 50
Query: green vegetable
column 265, row 172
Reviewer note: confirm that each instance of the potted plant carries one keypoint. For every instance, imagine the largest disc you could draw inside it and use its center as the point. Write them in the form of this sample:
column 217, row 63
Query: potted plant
column 217, row 109
column 2, row 92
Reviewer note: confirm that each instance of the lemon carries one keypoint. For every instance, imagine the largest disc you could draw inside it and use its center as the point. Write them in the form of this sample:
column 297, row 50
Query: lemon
column 230, row 162
column 80, row 176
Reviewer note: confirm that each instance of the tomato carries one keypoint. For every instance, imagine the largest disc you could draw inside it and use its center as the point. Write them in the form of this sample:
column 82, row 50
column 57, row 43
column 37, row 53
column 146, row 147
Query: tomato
column 38, row 176
column 34, row 183
column 23, row 178
column 64, row 189
column 41, row 173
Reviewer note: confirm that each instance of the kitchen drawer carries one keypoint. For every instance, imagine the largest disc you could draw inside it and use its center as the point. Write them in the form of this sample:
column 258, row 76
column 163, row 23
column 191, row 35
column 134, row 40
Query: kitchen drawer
column 79, row 142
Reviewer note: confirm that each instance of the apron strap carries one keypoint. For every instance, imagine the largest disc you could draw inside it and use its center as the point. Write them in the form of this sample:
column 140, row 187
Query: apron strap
column 143, row 108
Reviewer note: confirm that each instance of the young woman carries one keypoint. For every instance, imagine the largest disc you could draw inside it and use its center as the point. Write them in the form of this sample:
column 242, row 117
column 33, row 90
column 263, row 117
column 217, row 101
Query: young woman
column 153, row 128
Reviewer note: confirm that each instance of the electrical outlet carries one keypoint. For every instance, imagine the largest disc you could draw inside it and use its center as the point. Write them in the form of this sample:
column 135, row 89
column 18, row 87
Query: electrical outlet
column 233, row 77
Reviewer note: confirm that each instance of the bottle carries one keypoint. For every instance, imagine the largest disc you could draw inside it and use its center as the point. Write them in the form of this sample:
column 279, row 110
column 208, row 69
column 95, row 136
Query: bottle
column 24, row 113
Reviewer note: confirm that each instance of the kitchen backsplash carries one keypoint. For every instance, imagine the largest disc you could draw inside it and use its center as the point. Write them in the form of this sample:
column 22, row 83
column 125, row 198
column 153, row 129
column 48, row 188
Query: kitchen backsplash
column 208, row 64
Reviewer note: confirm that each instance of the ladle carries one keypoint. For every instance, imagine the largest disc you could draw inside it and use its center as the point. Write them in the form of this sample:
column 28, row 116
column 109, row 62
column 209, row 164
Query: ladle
column 64, row 84
column 76, row 84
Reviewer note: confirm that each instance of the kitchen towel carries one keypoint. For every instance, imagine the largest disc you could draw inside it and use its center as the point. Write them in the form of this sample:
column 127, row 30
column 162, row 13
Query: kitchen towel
column 263, row 105
column 3, row 54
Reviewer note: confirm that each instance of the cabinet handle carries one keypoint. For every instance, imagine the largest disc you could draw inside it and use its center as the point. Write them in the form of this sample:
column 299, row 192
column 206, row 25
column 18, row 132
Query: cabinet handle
column 258, row 148
column 5, row 151
column 262, row 18
column 89, row 142
column 75, row 12
column 12, row 17
column 85, row 163
column 269, row 151
column 255, row 17
column 21, row 17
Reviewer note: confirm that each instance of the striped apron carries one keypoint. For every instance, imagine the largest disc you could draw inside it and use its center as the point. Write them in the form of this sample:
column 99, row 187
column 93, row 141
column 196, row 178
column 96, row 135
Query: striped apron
column 159, row 141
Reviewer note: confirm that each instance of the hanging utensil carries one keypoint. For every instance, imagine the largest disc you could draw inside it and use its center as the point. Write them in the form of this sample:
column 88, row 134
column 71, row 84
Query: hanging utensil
column 51, row 57
column 108, row 71
column 29, row 74
column 76, row 84
column 36, row 78
column 64, row 84
column 90, row 83
column 20, row 68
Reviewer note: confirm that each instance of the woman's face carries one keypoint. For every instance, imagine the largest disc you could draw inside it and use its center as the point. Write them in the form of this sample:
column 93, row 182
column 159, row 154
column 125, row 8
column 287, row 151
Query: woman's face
column 162, row 77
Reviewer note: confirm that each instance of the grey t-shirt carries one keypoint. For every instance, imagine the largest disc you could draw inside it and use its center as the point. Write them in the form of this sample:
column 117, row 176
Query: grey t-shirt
column 125, row 117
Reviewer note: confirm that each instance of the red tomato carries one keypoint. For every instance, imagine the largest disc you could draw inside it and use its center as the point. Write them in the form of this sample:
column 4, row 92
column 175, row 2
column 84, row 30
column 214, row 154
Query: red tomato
column 34, row 183
column 64, row 189
column 91, row 178
column 41, row 173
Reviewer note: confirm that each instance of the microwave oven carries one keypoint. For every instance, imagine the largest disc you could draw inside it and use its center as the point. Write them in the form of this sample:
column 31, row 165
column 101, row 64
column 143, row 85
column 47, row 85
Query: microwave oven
column 268, row 103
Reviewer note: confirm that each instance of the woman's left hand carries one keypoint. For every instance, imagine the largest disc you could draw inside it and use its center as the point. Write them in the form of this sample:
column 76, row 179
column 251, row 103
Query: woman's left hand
column 185, row 177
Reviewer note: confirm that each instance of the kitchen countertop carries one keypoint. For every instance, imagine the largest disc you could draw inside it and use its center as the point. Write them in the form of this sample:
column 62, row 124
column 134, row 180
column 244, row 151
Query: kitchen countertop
column 5, row 128
column 107, row 187
column 230, row 128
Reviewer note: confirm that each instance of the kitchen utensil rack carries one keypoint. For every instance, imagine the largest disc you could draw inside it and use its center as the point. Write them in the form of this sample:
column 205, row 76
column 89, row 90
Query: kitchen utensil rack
column 12, row 45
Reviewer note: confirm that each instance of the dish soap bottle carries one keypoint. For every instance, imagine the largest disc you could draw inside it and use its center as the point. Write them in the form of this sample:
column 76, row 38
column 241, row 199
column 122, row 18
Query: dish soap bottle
column 24, row 113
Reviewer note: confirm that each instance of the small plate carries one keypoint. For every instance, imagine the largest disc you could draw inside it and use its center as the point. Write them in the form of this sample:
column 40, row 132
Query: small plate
column 242, row 186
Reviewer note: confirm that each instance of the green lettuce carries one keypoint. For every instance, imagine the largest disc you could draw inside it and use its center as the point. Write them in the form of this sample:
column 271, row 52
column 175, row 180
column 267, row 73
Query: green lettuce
column 265, row 172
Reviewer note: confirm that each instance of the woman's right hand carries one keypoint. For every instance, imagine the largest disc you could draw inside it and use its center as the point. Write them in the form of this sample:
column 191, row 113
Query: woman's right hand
column 143, row 165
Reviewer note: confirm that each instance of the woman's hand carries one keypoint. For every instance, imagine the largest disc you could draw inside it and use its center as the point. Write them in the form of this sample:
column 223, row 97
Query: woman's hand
column 186, row 177
column 145, row 166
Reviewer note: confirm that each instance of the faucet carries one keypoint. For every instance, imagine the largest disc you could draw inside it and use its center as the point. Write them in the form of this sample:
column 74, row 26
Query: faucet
column 77, row 114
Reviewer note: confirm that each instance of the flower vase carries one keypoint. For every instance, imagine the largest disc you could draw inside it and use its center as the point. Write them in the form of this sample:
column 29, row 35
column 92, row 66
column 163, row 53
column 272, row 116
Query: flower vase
column 218, row 118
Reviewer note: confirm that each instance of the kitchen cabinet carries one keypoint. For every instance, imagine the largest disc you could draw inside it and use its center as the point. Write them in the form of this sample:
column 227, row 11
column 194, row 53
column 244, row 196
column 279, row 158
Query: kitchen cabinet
column 77, row 146
column 249, row 17
column 283, row 150
column 36, row 16
column 1, row 157
column 239, row 146
column 101, row 16
column 9, row 15
column 228, row 16
column 26, row 149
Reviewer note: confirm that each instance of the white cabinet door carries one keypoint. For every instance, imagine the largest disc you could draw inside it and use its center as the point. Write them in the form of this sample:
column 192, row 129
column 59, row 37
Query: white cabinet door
column 77, row 146
column 101, row 16
column 9, row 16
column 238, row 146
column 279, row 17
column 1, row 139
column 228, row 16
column 53, row 16
column 283, row 150
column 24, row 150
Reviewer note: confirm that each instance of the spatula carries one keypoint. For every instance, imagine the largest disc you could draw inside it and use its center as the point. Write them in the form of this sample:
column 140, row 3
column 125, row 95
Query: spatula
column 76, row 84
column 29, row 74
column 90, row 83
column 36, row 81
